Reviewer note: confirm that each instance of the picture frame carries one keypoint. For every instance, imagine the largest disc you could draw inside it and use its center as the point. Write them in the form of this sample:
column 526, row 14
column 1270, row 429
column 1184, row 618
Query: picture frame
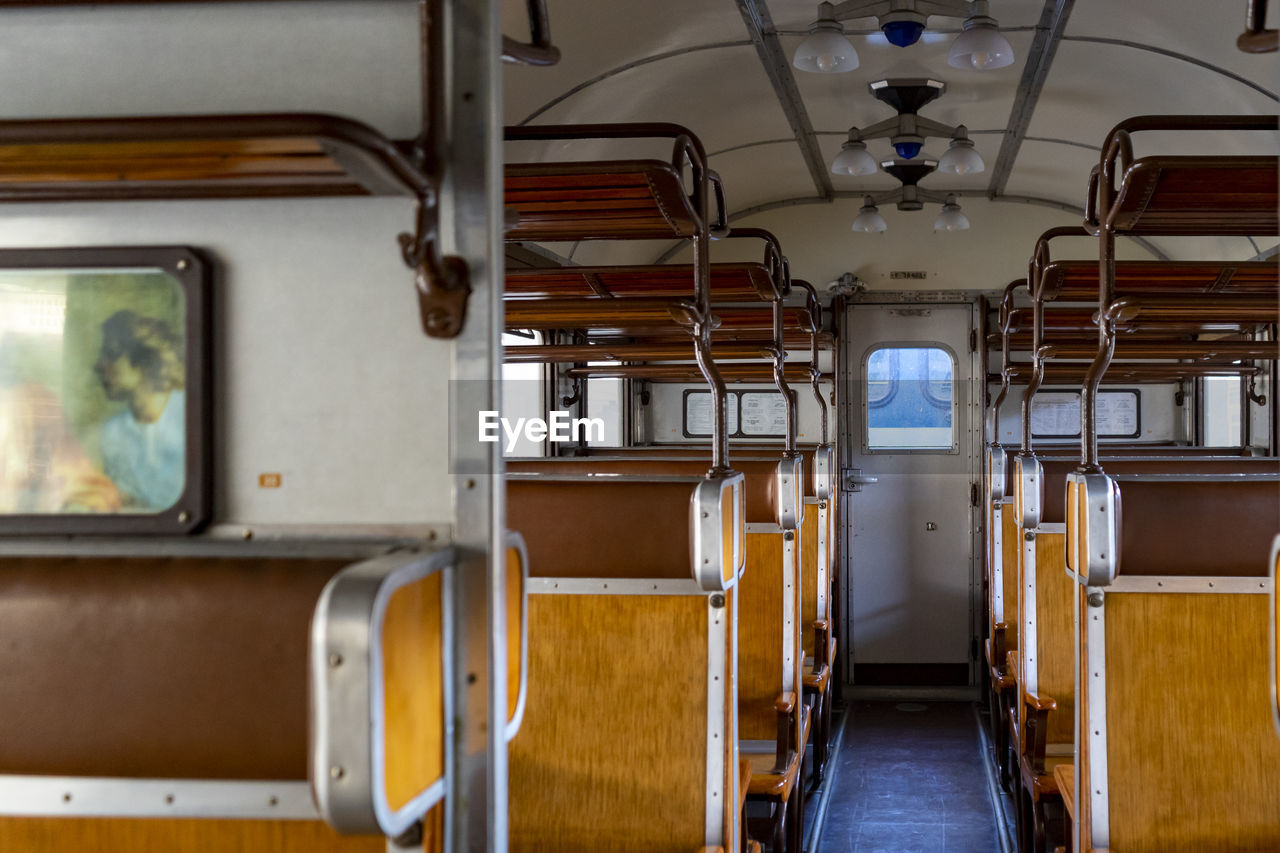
column 105, row 384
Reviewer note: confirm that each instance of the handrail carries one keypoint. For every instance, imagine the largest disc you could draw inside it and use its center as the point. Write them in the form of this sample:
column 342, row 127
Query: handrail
column 815, row 314
column 538, row 50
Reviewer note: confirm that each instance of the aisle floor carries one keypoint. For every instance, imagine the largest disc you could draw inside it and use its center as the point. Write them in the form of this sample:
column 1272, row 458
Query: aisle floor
column 910, row 779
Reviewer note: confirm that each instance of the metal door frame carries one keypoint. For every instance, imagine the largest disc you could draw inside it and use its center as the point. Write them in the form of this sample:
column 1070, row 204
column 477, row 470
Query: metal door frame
column 850, row 436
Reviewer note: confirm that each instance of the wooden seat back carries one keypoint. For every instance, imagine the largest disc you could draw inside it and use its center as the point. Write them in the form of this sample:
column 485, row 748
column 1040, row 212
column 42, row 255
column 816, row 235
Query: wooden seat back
column 628, row 740
column 1177, row 751
column 180, row 702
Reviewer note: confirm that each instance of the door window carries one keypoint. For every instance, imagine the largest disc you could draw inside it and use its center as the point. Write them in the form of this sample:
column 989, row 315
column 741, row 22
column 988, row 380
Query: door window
column 910, row 399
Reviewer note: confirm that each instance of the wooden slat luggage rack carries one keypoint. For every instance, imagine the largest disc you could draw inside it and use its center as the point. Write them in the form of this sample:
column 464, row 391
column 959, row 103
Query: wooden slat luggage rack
column 629, row 199
column 195, row 650
column 1152, row 600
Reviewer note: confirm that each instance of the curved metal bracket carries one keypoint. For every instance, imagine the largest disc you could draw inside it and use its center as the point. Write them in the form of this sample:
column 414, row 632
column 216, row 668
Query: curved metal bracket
column 538, row 50
column 443, row 281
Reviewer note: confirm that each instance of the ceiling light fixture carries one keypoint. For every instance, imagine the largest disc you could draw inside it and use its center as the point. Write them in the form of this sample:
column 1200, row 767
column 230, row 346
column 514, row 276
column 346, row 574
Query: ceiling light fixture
column 961, row 158
column 853, row 158
column 910, row 197
column 869, row 220
column 980, row 46
column 826, row 50
column 951, row 218
column 907, row 131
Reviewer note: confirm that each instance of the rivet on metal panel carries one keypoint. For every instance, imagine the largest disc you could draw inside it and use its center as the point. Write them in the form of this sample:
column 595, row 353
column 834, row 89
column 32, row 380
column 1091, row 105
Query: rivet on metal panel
column 337, row 772
column 183, row 263
column 717, row 600
column 335, row 660
column 1095, row 599
column 246, row 534
column 1029, row 536
column 184, row 517
column 789, row 535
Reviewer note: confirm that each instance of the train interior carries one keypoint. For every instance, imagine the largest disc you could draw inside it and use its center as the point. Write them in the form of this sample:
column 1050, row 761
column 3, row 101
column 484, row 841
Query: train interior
column 736, row 426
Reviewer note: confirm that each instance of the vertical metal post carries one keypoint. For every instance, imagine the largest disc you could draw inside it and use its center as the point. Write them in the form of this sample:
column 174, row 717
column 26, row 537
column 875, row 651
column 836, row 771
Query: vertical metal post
column 465, row 49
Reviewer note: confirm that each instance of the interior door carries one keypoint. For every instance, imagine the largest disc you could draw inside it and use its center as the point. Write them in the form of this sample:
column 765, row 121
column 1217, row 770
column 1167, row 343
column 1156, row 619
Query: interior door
column 910, row 452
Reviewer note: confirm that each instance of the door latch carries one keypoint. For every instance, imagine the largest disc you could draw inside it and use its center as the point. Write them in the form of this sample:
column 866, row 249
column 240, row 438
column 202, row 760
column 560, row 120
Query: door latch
column 852, row 480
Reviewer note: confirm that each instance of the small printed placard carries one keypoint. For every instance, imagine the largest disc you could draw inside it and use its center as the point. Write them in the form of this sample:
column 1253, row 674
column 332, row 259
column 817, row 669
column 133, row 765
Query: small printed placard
column 272, row 480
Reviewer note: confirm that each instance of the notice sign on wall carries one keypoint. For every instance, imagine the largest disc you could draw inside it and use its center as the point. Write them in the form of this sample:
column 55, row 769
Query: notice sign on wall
column 698, row 415
column 764, row 413
column 759, row 414
column 1056, row 414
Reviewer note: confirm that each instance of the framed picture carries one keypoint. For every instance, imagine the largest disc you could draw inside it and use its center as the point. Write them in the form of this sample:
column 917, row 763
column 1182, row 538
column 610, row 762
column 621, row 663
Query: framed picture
column 104, row 391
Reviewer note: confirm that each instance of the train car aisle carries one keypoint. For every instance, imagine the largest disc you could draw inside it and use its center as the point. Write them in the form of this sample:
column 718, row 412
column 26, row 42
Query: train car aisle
column 909, row 778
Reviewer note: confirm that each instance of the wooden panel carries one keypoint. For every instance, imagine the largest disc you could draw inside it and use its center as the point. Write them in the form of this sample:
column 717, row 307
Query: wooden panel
column 1055, row 634
column 515, row 594
column 610, row 755
column 58, row 835
column 413, row 681
column 633, row 199
column 1011, row 555
column 1193, row 759
column 808, row 576
column 732, row 526
column 760, row 636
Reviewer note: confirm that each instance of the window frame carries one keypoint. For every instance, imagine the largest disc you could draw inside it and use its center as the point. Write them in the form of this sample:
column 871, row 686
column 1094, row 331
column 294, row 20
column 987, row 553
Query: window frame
column 865, row 431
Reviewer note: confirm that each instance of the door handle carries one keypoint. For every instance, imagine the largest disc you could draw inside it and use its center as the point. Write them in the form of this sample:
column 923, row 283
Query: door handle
column 853, row 480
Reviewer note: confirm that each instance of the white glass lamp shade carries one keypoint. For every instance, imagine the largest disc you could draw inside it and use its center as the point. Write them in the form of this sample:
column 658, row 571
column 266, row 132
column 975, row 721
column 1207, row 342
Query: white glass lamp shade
column 869, row 220
column 961, row 159
column 826, row 50
column 951, row 218
column 853, row 159
column 981, row 46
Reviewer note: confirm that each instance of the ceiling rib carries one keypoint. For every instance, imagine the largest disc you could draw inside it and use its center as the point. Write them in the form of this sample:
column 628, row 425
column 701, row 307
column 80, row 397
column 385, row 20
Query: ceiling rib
column 765, row 37
column 1049, row 33
column 1173, row 54
column 586, row 84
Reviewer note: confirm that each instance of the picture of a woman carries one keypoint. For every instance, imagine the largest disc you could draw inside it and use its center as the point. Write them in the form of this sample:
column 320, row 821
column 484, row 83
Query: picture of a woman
column 144, row 445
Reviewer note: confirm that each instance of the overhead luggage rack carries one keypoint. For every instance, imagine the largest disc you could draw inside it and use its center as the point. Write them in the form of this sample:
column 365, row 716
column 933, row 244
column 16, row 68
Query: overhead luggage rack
column 728, row 282
column 1069, row 281
column 613, row 199
column 285, row 155
column 1203, row 195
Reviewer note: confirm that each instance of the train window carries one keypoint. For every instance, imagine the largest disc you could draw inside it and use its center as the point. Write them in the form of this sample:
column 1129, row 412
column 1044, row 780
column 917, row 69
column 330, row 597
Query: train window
column 523, row 395
column 604, row 406
column 910, row 399
column 1222, row 411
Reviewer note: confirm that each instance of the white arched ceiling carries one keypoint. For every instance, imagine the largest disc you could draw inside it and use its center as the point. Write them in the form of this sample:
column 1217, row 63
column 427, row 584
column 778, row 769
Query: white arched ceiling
column 696, row 63
column 821, row 246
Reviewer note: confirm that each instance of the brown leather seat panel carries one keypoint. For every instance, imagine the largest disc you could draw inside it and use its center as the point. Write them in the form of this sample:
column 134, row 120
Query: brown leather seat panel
column 1198, row 528
column 760, row 474
column 167, row 668
column 1055, row 473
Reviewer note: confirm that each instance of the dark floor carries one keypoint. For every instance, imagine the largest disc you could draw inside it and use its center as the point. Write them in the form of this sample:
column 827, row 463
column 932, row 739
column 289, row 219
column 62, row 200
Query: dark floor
column 909, row 781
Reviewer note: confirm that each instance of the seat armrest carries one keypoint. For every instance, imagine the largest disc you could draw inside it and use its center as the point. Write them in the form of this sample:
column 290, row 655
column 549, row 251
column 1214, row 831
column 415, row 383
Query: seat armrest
column 1036, row 710
column 785, row 703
